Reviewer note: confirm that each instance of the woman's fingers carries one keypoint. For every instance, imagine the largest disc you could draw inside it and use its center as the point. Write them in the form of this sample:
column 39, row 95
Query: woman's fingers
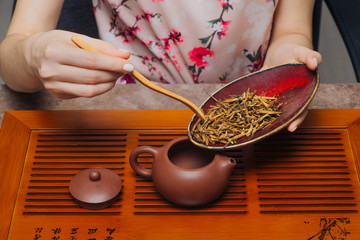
column 76, row 75
column 297, row 122
column 311, row 58
column 105, row 47
column 68, row 71
column 292, row 53
column 88, row 60
column 70, row 82
column 67, row 90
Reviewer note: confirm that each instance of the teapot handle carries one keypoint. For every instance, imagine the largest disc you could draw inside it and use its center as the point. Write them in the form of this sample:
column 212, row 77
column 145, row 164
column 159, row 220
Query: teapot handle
column 145, row 172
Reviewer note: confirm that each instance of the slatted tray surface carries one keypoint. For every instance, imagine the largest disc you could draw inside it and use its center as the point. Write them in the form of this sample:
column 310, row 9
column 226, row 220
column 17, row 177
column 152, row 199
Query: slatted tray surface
column 301, row 185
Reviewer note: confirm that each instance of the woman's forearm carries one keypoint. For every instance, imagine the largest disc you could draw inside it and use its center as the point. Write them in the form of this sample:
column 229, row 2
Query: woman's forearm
column 293, row 17
column 291, row 37
column 14, row 69
column 16, row 49
column 295, row 38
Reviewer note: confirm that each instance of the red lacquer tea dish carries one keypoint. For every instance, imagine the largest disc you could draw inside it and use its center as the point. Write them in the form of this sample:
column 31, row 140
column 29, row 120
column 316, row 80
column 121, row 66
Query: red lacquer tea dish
column 294, row 85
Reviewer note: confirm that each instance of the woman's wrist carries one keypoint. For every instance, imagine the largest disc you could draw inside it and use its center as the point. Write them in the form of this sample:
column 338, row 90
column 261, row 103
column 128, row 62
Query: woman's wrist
column 292, row 47
column 17, row 73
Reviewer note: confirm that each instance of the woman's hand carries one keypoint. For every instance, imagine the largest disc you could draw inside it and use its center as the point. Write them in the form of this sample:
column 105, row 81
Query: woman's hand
column 68, row 71
column 291, row 53
column 33, row 55
column 291, row 40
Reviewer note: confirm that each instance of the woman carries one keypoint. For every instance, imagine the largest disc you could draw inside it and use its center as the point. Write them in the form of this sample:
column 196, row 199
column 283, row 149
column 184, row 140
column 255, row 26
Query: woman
column 168, row 41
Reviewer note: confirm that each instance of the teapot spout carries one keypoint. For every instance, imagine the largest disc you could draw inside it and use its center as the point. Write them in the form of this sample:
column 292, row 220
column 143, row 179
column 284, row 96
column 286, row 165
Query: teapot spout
column 225, row 163
column 231, row 163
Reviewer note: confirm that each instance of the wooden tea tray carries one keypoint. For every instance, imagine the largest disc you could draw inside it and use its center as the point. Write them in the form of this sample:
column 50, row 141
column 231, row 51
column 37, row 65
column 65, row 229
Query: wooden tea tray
column 303, row 185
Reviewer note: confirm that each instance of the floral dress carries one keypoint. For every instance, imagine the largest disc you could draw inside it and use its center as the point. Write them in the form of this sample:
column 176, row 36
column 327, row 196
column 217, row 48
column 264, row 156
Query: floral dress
column 188, row 41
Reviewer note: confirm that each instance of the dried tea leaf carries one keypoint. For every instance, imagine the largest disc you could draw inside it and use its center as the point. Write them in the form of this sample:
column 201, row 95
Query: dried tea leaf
column 238, row 116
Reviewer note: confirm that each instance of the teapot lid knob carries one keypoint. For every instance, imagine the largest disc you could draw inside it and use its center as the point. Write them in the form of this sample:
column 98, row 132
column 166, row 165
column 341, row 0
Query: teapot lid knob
column 94, row 175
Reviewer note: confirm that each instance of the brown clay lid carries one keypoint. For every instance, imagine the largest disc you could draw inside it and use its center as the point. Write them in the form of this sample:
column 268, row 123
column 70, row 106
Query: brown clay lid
column 95, row 188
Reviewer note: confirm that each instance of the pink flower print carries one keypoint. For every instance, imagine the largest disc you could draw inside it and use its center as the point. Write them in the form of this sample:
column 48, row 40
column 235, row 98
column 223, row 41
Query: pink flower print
column 134, row 29
column 145, row 59
column 224, row 28
column 137, row 18
column 179, row 67
column 149, row 43
column 129, row 34
column 258, row 64
column 224, row 3
column 156, row 49
column 256, row 59
column 147, row 15
column 174, row 58
column 163, row 80
column 148, row 62
column 127, row 79
column 151, row 17
column 167, row 45
column 175, row 36
column 199, row 54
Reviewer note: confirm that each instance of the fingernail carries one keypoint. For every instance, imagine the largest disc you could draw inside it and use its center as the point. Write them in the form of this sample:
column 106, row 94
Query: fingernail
column 316, row 61
column 123, row 50
column 292, row 127
column 128, row 67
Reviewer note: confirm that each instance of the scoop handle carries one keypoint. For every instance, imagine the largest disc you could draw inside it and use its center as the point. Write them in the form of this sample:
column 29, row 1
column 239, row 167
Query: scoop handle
column 175, row 96
column 143, row 80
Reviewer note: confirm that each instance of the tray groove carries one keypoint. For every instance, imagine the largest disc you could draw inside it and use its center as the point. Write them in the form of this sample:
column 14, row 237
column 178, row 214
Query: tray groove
column 61, row 155
column 313, row 155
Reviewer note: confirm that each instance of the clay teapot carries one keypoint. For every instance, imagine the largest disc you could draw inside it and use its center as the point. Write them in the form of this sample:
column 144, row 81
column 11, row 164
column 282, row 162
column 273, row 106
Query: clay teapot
column 184, row 173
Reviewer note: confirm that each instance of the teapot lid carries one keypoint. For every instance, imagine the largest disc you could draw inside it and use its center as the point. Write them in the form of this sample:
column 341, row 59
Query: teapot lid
column 93, row 188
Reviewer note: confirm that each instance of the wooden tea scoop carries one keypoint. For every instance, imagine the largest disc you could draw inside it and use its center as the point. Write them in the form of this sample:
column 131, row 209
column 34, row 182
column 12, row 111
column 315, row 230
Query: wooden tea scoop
column 80, row 43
